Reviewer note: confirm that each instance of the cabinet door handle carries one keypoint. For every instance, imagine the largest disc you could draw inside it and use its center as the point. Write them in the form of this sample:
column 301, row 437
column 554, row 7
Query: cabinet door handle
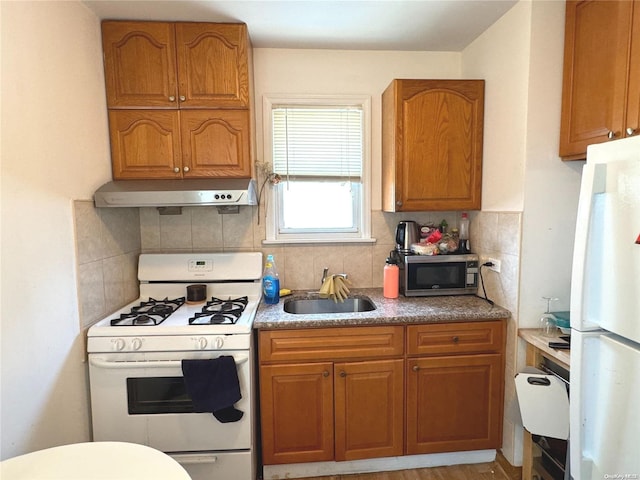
column 415, row 368
column 455, row 339
column 399, row 203
column 631, row 131
column 176, row 170
column 186, row 169
column 343, row 373
column 611, row 134
column 172, row 98
column 182, row 98
column 325, row 374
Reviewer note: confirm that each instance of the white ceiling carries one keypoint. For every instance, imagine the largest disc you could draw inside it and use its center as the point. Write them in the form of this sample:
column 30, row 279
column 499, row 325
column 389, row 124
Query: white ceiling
column 420, row 25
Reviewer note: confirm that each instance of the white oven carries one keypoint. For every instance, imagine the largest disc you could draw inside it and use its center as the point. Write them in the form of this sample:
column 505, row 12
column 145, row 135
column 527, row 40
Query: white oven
column 141, row 398
column 138, row 390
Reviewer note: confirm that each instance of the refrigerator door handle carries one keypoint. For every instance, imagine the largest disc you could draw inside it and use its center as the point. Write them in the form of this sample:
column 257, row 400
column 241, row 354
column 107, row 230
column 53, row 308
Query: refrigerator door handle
column 594, row 177
column 579, row 461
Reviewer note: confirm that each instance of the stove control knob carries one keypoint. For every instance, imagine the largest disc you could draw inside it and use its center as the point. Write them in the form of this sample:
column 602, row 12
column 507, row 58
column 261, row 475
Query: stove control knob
column 202, row 343
column 136, row 344
column 118, row 344
column 219, row 342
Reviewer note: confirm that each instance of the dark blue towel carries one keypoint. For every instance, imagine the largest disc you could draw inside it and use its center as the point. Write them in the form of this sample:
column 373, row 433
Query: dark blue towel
column 213, row 386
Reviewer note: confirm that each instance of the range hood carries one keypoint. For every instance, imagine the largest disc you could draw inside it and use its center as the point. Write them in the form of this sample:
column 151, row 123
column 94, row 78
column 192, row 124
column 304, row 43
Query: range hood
column 177, row 193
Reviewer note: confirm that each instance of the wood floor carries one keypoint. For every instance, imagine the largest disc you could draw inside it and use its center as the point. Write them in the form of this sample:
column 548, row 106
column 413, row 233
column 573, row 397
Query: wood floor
column 480, row 471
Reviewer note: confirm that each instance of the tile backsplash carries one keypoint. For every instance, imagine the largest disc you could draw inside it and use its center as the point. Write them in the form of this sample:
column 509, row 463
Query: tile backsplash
column 107, row 249
column 300, row 266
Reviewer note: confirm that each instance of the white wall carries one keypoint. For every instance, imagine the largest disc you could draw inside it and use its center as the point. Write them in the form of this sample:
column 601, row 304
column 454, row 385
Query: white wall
column 500, row 56
column 54, row 149
column 551, row 186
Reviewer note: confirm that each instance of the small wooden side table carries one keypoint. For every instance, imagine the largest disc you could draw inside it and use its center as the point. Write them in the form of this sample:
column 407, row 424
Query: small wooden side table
column 537, row 350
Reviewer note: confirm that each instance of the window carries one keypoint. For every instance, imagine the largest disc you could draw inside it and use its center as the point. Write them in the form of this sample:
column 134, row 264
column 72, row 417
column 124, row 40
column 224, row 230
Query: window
column 319, row 147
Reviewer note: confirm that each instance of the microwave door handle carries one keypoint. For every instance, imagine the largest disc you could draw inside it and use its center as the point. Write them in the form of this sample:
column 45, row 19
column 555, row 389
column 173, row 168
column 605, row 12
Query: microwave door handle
column 102, row 363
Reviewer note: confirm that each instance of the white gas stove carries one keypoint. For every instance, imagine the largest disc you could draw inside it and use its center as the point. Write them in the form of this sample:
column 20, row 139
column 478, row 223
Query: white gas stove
column 192, row 307
column 228, row 308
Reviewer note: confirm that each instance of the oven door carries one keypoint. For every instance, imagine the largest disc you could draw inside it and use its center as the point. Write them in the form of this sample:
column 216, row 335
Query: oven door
column 141, row 398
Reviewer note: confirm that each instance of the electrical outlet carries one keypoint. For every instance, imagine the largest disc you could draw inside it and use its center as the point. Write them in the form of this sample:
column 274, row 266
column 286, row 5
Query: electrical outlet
column 496, row 264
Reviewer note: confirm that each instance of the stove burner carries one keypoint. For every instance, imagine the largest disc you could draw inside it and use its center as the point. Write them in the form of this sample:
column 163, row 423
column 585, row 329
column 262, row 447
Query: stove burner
column 151, row 312
column 218, row 311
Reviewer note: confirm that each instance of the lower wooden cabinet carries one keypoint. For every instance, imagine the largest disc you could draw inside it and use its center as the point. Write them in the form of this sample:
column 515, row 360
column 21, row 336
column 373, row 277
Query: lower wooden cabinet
column 314, row 412
column 331, row 394
column 369, row 412
column 296, row 408
column 454, row 403
column 455, row 386
column 350, row 393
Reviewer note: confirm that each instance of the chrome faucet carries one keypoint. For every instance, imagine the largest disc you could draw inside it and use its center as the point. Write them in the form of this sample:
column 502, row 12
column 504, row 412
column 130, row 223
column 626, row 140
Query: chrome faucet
column 325, row 271
column 324, row 275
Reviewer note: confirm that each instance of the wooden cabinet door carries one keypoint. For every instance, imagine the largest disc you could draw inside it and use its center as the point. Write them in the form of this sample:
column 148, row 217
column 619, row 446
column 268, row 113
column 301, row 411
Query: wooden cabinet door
column 432, row 147
column 369, row 409
column 596, row 59
column 454, row 403
column 632, row 122
column 296, row 407
column 145, row 144
column 215, row 143
column 213, row 69
column 140, row 64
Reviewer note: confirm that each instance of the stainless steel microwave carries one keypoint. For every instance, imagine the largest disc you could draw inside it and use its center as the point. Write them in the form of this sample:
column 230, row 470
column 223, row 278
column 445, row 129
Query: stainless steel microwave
column 431, row 275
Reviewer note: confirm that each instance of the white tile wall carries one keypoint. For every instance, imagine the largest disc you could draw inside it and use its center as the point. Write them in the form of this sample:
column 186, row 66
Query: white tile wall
column 107, row 248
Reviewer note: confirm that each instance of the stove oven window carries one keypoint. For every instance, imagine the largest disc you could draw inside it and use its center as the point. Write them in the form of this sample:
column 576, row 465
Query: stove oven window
column 156, row 395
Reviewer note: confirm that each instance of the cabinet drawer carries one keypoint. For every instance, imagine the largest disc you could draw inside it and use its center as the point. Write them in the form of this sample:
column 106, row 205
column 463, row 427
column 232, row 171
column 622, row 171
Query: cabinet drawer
column 331, row 343
column 448, row 338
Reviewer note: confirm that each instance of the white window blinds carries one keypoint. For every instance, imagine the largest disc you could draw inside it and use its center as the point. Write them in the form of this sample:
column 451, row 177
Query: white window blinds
column 317, row 141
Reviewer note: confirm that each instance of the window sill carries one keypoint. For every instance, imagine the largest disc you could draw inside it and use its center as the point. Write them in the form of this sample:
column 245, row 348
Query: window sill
column 312, row 241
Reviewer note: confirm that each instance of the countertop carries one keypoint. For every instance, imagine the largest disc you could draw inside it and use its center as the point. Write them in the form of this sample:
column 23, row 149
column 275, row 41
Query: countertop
column 399, row 311
column 535, row 338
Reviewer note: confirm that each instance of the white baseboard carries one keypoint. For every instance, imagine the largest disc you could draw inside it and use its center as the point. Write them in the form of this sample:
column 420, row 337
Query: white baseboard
column 320, row 469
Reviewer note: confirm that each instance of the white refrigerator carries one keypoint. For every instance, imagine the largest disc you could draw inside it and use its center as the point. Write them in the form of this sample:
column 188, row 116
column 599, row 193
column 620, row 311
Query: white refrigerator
column 605, row 316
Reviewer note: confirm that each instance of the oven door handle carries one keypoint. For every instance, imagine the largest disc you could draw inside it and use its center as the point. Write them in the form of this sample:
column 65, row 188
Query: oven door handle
column 102, row 363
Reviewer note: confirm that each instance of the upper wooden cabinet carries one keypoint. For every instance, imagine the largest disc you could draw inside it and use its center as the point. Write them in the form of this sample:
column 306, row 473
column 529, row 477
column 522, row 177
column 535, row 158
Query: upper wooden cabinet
column 179, row 99
column 432, row 145
column 148, row 144
column 601, row 84
column 176, row 65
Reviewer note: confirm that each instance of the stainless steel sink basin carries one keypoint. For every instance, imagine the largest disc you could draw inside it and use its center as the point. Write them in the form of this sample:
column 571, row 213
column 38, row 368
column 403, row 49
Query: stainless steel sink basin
column 308, row 306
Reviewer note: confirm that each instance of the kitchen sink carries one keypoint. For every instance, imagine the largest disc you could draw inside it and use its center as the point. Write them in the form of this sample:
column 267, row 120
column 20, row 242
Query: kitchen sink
column 306, row 306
